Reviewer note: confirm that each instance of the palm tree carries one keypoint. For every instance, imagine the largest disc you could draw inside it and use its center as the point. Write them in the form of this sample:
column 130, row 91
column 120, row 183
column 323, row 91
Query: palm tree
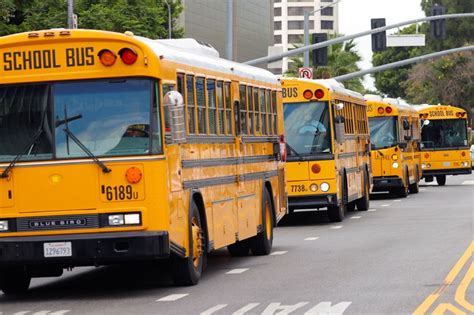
column 342, row 59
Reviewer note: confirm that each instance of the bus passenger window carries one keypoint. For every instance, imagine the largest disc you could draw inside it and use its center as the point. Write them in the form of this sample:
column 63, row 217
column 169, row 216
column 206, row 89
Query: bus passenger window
column 190, row 102
column 220, row 107
column 268, row 110
column 201, row 106
column 263, row 115
column 243, row 109
column 228, row 108
column 274, row 112
column 251, row 112
column 211, row 106
column 256, row 111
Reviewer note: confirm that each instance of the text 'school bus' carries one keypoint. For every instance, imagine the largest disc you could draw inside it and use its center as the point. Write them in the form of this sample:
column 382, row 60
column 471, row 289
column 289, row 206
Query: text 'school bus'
column 395, row 138
column 328, row 147
column 118, row 148
column 444, row 142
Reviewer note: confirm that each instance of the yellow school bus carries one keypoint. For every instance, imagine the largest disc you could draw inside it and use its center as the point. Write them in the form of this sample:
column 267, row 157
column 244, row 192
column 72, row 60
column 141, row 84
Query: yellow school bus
column 328, row 147
column 118, row 148
column 394, row 137
column 444, row 142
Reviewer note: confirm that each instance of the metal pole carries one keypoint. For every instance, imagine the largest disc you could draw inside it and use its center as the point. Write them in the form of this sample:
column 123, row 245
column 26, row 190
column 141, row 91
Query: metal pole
column 229, row 30
column 348, row 37
column 169, row 19
column 70, row 14
column 401, row 63
column 306, row 30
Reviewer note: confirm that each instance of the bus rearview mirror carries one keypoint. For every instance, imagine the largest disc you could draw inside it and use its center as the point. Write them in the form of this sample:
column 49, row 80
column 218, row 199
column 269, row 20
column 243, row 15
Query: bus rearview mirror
column 173, row 102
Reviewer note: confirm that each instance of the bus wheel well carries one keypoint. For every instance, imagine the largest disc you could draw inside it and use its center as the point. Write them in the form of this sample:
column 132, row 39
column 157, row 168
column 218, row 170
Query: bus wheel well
column 199, row 201
column 268, row 187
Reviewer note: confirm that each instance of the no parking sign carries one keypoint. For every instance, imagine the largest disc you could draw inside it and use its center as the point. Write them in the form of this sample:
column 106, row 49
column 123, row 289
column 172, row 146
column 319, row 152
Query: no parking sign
column 305, row 72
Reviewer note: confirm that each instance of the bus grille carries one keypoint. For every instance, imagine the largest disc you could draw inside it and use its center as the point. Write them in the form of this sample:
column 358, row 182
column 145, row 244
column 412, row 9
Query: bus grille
column 57, row 223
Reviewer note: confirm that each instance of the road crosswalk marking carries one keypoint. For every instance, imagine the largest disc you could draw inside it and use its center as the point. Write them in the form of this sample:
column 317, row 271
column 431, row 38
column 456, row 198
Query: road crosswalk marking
column 246, row 308
column 311, row 238
column 214, row 309
column 385, row 205
column 42, row 312
column 172, row 297
column 356, row 217
column 279, row 253
column 468, row 182
column 236, row 271
column 336, row 227
column 372, row 210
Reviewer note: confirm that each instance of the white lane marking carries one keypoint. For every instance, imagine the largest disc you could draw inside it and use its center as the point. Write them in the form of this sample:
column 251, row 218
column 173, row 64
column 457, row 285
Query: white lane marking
column 21, row 313
column 372, row 210
column 214, row 309
column 468, row 182
column 279, row 252
column 277, row 308
column 172, row 297
column 311, row 238
column 336, row 227
column 385, row 205
column 356, row 217
column 327, row 308
column 236, row 271
column 246, row 308
column 397, row 200
column 422, row 189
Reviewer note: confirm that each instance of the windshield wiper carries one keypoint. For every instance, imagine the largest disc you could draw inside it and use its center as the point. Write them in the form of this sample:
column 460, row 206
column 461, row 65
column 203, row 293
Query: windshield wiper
column 7, row 171
column 81, row 145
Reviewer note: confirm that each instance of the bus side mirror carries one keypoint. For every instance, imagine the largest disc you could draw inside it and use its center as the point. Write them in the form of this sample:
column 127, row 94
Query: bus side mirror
column 173, row 102
column 402, row 145
column 426, row 122
column 339, row 129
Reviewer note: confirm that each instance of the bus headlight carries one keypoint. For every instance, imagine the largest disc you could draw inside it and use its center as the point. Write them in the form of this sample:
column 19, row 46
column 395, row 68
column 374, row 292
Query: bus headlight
column 3, row 225
column 464, row 163
column 124, row 219
column 324, row 187
column 313, row 187
column 428, row 165
column 394, row 157
column 423, row 165
column 395, row 165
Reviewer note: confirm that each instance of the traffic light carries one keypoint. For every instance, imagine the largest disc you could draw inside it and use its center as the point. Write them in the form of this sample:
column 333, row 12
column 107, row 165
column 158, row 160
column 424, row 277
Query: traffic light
column 379, row 40
column 320, row 55
column 438, row 27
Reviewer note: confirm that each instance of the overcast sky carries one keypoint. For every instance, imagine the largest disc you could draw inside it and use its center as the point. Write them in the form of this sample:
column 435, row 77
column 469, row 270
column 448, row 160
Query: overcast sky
column 355, row 17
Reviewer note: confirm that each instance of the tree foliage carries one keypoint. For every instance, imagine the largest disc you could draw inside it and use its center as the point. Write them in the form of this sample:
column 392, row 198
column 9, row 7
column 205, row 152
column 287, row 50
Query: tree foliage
column 342, row 59
column 147, row 18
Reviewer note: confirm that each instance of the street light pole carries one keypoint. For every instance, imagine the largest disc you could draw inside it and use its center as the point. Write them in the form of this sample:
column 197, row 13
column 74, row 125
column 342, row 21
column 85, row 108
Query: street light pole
column 169, row 19
column 70, row 14
column 306, row 29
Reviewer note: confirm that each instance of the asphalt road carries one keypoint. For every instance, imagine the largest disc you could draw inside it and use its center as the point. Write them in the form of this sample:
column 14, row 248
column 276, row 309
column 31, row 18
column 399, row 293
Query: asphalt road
column 401, row 256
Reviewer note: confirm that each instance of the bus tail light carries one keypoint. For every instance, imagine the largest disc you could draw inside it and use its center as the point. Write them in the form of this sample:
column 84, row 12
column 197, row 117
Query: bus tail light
column 282, row 148
column 319, row 93
column 388, row 110
column 128, row 56
column 133, row 175
column 315, row 168
column 307, row 94
column 380, row 110
column 107, row 57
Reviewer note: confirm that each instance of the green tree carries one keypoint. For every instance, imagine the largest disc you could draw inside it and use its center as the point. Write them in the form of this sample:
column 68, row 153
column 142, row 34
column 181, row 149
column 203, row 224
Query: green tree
column 342, row 59
column 147, row 18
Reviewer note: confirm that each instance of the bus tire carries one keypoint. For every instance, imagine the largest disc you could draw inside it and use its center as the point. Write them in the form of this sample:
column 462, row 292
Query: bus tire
column 402, row 192
column 261, row 244
column 441, row 180
column 187, row 271
column 363, row 203
column 351, row 206
column 239, row 249
column 338, row 212
column 415, row 187
column 14, row 281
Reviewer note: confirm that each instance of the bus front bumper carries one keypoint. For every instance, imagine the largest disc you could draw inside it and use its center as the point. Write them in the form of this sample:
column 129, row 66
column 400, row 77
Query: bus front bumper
column 312, row 202
column 86, row 249
column 384, row 183
column 454, row 171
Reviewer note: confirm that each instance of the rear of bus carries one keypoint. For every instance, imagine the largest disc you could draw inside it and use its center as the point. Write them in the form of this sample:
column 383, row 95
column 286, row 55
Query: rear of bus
column 68, row 98
column 394, row 134
column 445, row 142
column 322, row 172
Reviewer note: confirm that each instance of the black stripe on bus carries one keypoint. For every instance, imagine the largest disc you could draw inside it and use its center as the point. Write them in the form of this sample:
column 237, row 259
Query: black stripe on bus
column 197, row 139
column 347, row 155
column 260, row 139
column 228, row 161
column 223, row 180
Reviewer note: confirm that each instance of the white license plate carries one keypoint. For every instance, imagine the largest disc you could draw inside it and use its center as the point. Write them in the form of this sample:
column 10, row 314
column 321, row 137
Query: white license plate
column 446, row 163
column 58, row 249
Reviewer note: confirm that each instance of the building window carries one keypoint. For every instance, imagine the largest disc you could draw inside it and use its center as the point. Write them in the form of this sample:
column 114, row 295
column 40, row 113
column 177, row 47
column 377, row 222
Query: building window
column 327, row 11
column 277, row 25
column 277, row 11
column 299, row 25
column 295, row 39
column 327, row 25
column 298, row 11
column 277, row 39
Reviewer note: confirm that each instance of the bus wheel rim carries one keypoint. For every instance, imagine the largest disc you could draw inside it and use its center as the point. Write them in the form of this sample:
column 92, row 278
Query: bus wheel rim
column 268, row 222
column 197, row 242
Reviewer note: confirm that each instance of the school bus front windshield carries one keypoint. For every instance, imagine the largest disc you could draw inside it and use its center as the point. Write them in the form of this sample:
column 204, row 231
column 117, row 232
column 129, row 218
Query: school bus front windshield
column 383, row 132
column 445, row 134
column 307, row 129
column 109, row 117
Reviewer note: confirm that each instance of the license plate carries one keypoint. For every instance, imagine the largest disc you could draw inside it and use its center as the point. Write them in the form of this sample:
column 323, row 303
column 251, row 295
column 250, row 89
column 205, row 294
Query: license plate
column 58, row 249
column 446, row 163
